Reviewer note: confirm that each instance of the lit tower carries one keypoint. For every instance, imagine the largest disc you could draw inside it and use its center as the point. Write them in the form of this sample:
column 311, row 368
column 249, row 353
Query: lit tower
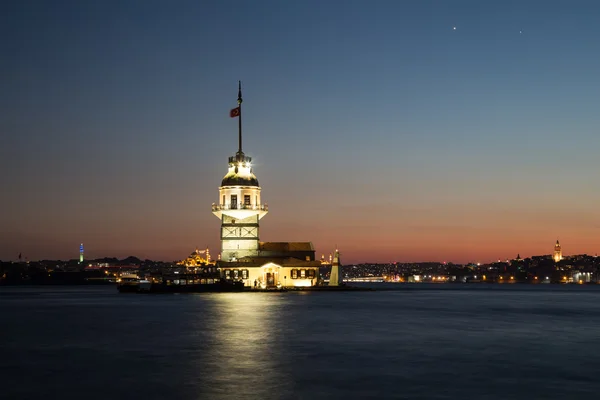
column 239, row 207
column 335, row 278
column 81, row 253
column 557, row 256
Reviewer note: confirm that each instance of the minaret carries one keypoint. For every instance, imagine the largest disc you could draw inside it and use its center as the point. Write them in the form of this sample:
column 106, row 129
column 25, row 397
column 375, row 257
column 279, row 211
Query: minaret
column 557, row 256
column 81, row 253
column 239, row 207
column 335, row 278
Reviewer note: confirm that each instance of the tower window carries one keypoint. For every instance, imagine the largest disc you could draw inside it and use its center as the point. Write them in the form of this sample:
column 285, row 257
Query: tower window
column 234, row 201
column 247, row 200
column 223, row 200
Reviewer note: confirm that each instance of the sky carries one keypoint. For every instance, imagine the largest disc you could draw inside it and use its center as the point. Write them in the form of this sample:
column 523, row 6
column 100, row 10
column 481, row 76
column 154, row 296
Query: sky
column 459, row 131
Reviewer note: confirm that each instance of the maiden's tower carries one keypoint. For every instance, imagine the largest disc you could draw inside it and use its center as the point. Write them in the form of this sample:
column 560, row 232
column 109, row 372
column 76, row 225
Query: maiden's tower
column 240, row 209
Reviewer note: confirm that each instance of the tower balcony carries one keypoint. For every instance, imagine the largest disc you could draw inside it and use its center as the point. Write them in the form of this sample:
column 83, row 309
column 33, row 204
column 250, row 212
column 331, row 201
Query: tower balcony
column 240, row 206
column 240, row 210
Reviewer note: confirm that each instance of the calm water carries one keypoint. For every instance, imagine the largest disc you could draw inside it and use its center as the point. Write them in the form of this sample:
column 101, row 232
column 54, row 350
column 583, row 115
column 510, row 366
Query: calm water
column 419, row 342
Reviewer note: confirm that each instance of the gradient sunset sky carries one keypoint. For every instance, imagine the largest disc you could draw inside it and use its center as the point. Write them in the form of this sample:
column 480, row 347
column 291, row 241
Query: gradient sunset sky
column 373, row 125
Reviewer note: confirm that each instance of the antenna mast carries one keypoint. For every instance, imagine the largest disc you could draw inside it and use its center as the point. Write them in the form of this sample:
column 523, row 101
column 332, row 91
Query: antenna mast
column 240, row 152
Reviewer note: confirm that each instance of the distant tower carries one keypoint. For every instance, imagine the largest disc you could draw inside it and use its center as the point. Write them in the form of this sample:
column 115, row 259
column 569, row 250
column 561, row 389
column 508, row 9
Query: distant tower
column 335, row 278
column 557, row 256
column 240, row 207
column 81, row 253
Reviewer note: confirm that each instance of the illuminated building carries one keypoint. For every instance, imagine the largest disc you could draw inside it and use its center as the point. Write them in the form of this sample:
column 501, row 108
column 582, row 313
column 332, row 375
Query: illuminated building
column 197, row 259
column 240, row 209
column 557, row 256
column 81, row 253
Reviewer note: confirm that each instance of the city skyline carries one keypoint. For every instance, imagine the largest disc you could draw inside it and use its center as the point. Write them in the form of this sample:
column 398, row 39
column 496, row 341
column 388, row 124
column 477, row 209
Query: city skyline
column 556, row 255
column 399, row 132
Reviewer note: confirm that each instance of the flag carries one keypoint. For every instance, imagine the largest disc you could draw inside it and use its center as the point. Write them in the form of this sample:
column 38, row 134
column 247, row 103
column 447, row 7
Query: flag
column 235, row 112
column 19, row 256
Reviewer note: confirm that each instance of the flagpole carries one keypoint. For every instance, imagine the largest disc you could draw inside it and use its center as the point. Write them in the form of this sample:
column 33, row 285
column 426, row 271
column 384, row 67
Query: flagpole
column 240, row 117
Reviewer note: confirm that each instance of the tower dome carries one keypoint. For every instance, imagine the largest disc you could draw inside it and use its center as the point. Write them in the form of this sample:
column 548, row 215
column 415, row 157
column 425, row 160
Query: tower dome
column 240, row 172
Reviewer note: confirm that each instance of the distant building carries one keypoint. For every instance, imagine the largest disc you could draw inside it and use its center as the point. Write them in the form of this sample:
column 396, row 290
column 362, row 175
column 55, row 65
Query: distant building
column 197, row 258
column 557, row 255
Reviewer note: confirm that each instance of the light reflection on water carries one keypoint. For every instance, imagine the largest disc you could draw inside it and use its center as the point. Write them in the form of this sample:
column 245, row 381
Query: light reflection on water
column 245, row 360
column 420, row 342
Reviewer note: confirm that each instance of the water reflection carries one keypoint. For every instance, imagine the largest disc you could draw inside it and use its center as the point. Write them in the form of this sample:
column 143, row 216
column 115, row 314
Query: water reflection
column 240, row 341
column 471, row 343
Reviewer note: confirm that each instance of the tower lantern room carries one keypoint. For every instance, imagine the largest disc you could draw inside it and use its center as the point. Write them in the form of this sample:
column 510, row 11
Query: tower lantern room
column 240, row 206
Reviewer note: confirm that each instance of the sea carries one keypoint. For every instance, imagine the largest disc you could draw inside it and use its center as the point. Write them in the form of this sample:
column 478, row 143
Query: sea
column 413, row 341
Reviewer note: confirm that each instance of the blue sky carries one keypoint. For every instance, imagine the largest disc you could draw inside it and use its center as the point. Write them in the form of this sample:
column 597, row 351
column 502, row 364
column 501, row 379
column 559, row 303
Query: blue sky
column 375, row 126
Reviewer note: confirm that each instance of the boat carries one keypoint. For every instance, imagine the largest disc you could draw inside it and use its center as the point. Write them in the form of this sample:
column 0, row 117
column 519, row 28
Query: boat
column 128, row 283
column 206, row 280
column 191, row 283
